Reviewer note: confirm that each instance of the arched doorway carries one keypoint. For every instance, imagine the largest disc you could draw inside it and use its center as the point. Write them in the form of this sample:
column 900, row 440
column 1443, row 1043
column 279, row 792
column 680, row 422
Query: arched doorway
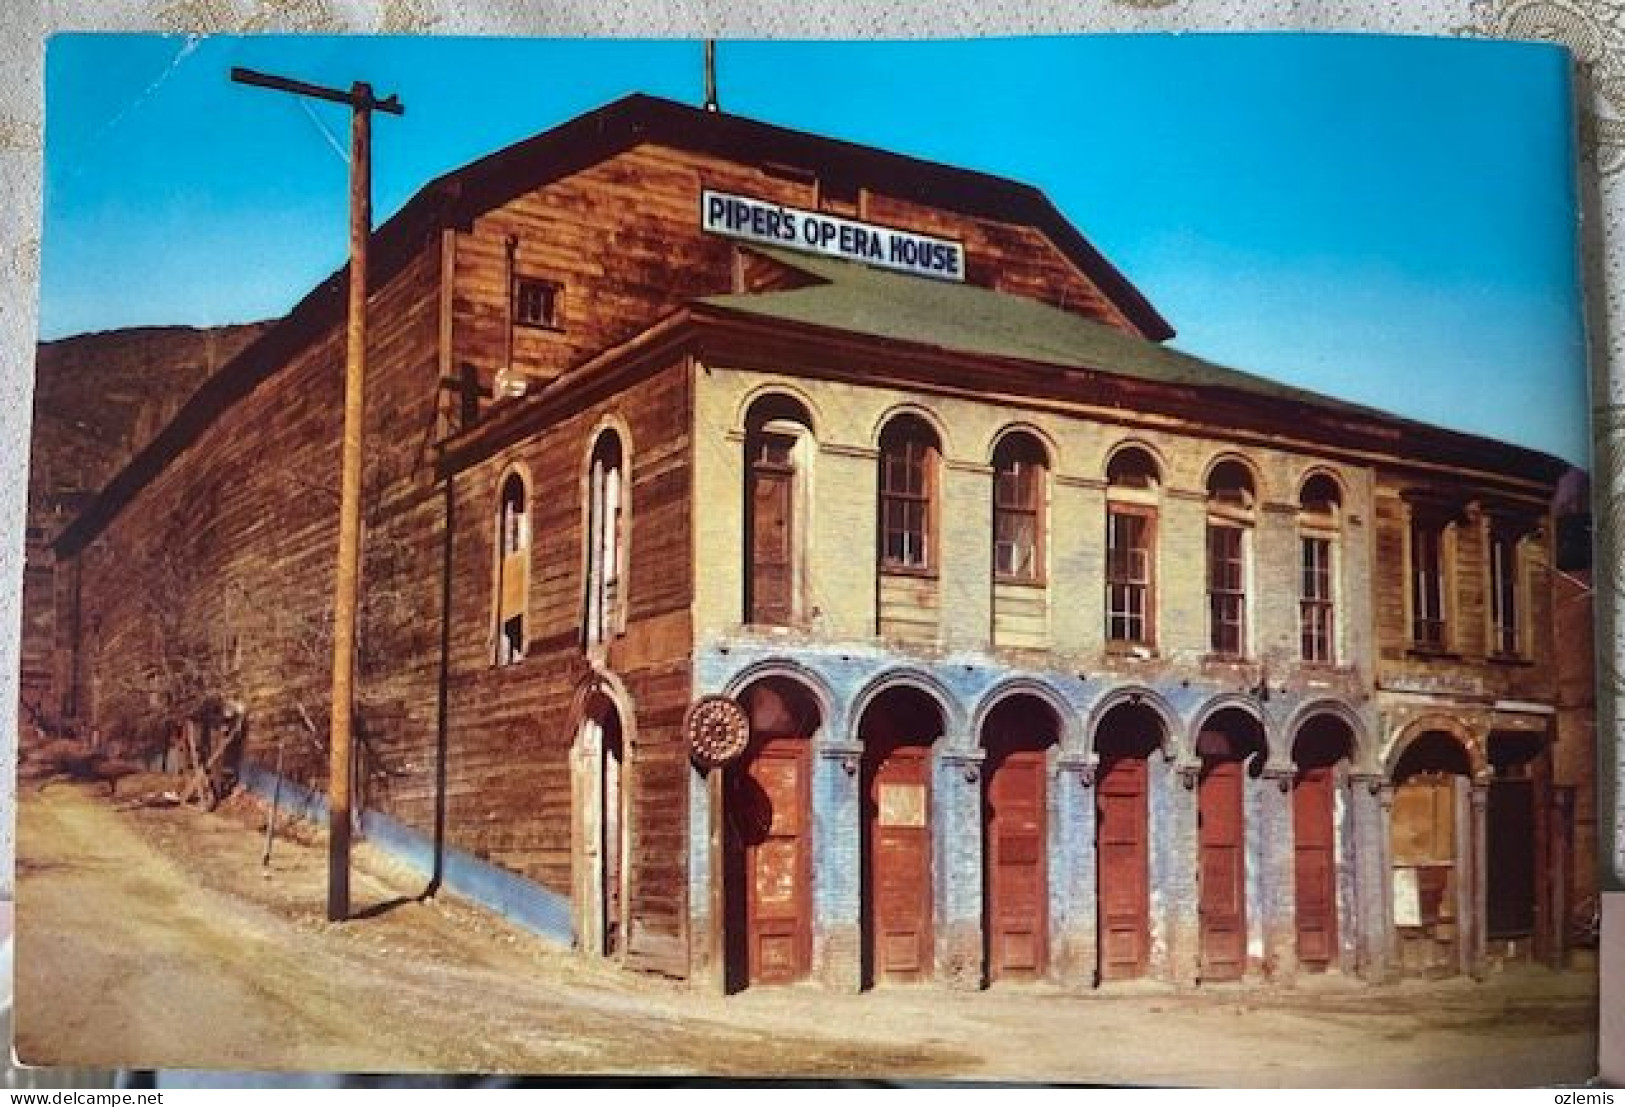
column 1430, row 838
column 767, row 879
column 897, row 731
column 1227, row 741
column 1125, row 739
column 1018, row 735
column 1321, row 744
column 603, row 762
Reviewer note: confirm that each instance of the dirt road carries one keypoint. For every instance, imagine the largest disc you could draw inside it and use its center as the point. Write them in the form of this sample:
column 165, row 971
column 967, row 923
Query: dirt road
column 151, row 938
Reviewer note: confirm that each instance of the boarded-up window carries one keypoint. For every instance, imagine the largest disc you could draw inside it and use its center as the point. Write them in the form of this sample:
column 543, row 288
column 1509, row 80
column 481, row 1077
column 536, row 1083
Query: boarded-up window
column 512, row 569
column 771, row 505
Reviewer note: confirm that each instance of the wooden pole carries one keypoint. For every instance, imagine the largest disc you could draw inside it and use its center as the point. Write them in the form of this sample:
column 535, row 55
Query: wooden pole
column 347, row 573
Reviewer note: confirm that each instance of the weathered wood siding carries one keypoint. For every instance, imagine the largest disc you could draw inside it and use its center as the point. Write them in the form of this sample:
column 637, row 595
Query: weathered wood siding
column 225, row 560
column 511, row 727
column 623, row 239
column 1465, row 666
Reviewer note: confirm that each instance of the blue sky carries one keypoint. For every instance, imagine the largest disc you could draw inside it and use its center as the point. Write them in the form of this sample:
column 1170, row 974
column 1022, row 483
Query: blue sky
column 1387, row 220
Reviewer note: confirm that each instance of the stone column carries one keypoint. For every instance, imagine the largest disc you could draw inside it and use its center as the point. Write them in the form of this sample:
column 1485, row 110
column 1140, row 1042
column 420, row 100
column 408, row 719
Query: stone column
column 838, row 867
column 957, row 868
column 1389, row 933
column 705, row 913
column 1475, row 942
column 1277, row 902
column 1370, row 802
column 1074, row 917
column 1175, row 927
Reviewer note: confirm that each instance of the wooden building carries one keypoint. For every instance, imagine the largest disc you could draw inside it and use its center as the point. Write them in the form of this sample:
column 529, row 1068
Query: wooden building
column 1064, row 654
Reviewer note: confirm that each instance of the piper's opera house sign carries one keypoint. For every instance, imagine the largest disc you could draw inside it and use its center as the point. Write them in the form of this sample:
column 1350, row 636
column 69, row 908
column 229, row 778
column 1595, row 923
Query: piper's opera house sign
column 814, row 232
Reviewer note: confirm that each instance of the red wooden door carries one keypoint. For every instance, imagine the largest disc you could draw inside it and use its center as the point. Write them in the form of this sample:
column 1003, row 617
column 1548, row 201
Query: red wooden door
column 1314, row 867
column 1222, row 874
column 898, row 892
column 772, row 479
column 1121, row 855
column 771, row 818
column 1017, row 883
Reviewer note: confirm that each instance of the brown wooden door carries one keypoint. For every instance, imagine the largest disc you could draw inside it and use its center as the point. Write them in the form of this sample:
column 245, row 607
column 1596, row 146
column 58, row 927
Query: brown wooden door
column 1017, row 881
column 772, row 483
column 1121, row 841
column 771, row 817
column 1423, row 848
column 897, row 895
column 1314, row 867
column 1222, row 875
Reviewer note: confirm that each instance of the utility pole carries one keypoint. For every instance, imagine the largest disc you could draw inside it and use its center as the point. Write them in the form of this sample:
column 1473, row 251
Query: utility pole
column 347, row 577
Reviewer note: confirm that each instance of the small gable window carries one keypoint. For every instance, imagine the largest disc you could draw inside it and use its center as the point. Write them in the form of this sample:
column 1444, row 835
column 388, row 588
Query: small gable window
column 538, row 303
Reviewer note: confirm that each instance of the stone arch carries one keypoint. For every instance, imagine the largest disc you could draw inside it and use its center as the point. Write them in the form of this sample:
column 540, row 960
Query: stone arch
column 1428, row 724
column 1068, row 726
column 796, row 673
column 1359, row 755
column 1230, row 701
column 1047, row 443
column 953, row 715
column 775, row 389
column 1329, row 474
column 1174, row 746
column 1231, row 457
column 1140, row 444
column 917, row 411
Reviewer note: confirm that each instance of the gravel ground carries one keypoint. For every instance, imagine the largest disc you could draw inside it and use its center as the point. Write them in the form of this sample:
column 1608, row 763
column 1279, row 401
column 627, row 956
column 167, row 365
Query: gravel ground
column 152, row 937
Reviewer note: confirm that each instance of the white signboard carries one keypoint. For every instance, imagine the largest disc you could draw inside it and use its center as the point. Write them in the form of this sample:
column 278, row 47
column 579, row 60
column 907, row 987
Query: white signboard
column 814, row 232
column 1407, row 898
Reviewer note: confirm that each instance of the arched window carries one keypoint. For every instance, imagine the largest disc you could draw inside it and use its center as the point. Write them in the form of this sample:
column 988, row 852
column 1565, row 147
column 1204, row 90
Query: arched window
column 909, row 457
column 778, row 456
column 606, row 541
column 1230, row 498
column 512, row 568
column 1132, row 481
column 1319, row 524
column 1019, row 470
